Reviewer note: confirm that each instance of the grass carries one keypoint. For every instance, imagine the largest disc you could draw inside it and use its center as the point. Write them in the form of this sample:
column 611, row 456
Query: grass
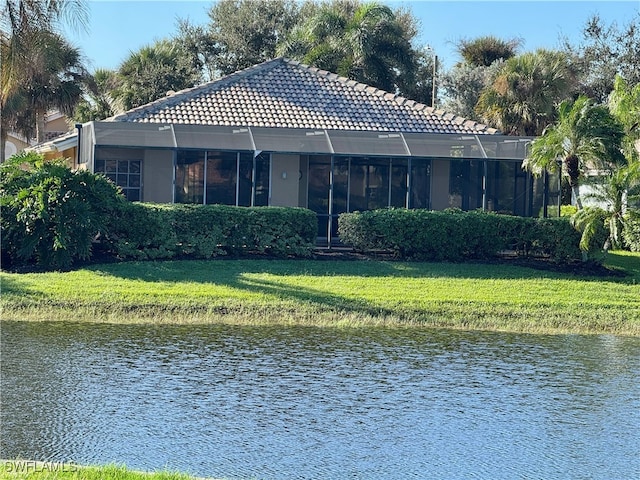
column 333, row 292
column 31, row 470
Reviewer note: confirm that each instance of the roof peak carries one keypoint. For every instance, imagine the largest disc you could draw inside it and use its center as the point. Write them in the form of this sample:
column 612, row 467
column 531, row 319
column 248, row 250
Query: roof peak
column 285, row 98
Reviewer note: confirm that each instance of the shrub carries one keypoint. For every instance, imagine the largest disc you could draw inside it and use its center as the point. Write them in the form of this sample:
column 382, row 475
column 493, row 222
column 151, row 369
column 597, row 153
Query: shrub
column 631, row 230
column 51, row 214
column 149, row 231
column 456, row 236
column 142, row 232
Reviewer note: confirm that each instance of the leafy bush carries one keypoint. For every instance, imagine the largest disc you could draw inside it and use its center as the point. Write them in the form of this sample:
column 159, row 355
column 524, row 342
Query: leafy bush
column 142, row 232
column 51, row 214
column 631, row 231
column 456, row 236
column 594, row 225
column 149, row 231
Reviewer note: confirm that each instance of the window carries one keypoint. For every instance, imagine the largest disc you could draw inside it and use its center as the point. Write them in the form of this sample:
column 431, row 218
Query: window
column 189, row 177
column 124, row 172
column 224, row 178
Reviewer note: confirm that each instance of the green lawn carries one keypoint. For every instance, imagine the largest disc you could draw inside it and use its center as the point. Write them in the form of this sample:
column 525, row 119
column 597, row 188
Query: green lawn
column 471, row 296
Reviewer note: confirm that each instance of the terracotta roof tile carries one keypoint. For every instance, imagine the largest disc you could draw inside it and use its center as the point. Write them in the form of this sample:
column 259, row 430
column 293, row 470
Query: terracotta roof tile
column 283, row 93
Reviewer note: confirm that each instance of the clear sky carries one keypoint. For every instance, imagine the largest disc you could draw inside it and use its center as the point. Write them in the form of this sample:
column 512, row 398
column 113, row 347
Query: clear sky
column 118, row 27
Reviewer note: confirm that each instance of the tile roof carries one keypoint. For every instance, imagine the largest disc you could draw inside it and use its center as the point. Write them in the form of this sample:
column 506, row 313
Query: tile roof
column 286, row 94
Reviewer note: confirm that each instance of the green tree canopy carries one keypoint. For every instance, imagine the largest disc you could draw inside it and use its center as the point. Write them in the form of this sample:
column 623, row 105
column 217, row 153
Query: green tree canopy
column 99, row 102
column 463, row 84
column 585, row 136
column 152, row 72
column 484, row 51
column 24, row 22
column 366, row 42
column 56, row 78
column 624, row 103
column 522, row 98
column 242, row 33
column 607, row 51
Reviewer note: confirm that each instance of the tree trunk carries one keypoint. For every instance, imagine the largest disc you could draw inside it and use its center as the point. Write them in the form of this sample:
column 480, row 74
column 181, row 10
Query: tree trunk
column 40, row 114
column 572, row 164
column 575, row 189
column 3, row 144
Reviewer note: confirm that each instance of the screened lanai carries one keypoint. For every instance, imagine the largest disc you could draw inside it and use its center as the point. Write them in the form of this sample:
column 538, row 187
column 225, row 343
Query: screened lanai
column 327, row 171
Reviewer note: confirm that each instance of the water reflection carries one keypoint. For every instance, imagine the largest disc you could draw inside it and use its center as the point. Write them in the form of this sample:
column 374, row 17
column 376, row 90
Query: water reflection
column 260, row 402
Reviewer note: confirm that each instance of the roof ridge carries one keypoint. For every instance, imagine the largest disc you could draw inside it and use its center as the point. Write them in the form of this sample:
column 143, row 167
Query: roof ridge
column 393, row 101
column 397, row 98
column 175, row 98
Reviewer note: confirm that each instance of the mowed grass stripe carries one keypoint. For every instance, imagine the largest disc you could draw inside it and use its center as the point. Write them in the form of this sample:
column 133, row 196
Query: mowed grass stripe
column 282, row 290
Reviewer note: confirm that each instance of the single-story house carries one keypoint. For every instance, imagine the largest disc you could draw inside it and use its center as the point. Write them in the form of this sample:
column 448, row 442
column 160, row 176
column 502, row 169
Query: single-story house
column 55, row 125
column 285, row 134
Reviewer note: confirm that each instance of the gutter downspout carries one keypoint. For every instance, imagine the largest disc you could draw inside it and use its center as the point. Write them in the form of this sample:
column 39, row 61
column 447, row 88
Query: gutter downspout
column 79, row 128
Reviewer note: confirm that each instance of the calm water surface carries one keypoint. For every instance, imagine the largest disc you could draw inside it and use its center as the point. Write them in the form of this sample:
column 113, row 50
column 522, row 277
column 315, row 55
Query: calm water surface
column 294, row 403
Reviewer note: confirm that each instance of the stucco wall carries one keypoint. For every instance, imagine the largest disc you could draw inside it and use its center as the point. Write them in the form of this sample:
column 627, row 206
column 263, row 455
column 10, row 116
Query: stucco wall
column 285, row 180
column 439, row 184
column 157, row 176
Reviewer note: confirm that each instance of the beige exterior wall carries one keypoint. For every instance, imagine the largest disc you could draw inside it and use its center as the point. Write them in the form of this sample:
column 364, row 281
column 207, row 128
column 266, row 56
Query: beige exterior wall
column 285, row 180
column 439, row 184
column 57, row 123
column 14, row 145
column 157, row 176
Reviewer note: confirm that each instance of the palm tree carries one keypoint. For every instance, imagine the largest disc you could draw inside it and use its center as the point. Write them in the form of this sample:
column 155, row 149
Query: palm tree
column 26, row 28
column 24, row 23
column 364, row 42
column 624, row 104
column 99, row 102
column 586, row 136
column 55, row 78
column 614, row 191
column 483, row 51
column 152, row 71
column 522, row 98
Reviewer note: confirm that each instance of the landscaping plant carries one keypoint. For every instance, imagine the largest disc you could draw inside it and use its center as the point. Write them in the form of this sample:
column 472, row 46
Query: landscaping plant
column 51, row 215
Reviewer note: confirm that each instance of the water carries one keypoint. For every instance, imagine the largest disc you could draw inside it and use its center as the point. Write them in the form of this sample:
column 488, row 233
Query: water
column 294, row 403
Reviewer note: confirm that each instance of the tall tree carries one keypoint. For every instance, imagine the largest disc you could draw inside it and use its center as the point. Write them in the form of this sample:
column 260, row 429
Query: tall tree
column 361, row 41
column 463, row 84
column 22, row 26
column 585, row 136
column 624, row 104
column 484, row 51
column 243, row 33
column 152, row 72
column 607, row 51
column 56, row 79
column 99, row 102
column 614, row 190
column 522, row 98
column 26, row 28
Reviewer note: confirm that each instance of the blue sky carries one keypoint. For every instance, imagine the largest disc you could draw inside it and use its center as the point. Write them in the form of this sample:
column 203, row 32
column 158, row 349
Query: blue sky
column 122, row 26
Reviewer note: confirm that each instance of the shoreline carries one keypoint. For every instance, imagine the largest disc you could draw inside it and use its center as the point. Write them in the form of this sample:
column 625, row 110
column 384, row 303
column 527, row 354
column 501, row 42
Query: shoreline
column 544, row 321
column 333, row 293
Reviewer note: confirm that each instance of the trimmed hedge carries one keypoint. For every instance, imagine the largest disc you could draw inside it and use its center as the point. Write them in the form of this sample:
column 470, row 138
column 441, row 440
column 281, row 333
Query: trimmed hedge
column 149, row 231
column 457, row 235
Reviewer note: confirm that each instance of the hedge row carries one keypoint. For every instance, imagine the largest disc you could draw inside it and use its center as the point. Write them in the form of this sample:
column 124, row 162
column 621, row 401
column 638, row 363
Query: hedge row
column 150, row 231
column 457, row 235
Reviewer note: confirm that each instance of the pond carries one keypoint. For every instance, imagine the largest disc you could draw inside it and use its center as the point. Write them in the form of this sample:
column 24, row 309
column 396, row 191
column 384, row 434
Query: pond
column 322, row 403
